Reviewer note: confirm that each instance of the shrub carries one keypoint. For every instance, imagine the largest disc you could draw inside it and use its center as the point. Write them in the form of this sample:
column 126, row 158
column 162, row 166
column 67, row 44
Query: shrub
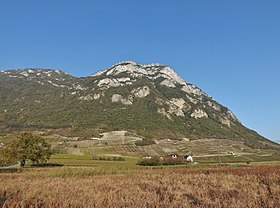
column 171, row 161
column 47, row 165
column 145, row 142
column 108, row 158
column 154, row 161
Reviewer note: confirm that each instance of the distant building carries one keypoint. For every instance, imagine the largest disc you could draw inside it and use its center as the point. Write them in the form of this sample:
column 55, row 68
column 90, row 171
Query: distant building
column 188, row 158
column 147, row 157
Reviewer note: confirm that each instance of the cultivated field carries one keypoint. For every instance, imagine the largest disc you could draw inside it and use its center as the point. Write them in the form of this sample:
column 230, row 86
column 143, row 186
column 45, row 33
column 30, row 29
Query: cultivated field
column 123, row 186
column 118, row 144
column 102, row 172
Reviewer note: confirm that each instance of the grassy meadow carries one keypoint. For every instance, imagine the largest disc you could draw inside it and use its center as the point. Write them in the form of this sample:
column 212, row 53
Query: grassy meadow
column 105, row 174
column 134, row 186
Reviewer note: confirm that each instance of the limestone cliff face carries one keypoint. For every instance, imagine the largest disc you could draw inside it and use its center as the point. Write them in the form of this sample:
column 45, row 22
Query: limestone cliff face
column 148, row 99
column 190, row 103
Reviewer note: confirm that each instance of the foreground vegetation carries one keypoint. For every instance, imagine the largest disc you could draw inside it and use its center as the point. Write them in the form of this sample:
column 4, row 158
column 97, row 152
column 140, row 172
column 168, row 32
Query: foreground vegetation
column 123, row 186
column 26, row 146
column 112, row 173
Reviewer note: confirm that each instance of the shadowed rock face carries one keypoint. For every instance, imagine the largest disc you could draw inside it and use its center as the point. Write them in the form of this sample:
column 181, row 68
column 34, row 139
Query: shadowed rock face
column 148, row 99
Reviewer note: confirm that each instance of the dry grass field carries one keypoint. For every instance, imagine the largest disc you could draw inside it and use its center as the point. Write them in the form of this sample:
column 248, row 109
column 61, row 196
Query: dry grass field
column 246, row 186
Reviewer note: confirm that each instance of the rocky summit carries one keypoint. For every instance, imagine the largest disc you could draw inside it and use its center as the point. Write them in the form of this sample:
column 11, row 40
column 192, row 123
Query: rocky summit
column 148, row 100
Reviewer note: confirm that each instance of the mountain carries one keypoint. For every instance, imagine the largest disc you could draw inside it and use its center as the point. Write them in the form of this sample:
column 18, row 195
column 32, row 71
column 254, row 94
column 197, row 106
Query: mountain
column 148, row 100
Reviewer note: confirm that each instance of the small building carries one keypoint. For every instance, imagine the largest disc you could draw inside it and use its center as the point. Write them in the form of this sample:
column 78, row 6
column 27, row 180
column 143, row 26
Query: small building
column 147, row 157
column 188, row 158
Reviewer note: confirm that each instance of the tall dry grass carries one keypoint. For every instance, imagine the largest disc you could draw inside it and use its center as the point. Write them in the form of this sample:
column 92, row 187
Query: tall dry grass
column 255, row 186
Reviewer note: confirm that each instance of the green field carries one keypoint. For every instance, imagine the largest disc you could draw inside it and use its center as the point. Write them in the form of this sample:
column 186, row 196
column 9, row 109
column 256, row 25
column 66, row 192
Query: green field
column 118, row 150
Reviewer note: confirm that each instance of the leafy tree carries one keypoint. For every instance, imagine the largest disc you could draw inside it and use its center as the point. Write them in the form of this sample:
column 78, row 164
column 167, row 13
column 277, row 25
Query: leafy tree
column 27, row 146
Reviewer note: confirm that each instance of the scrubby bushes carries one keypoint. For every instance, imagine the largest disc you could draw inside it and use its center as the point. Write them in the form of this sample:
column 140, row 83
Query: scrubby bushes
column 171, row 161
column 156, row 161
column 108, row 158
column 145, row 142
column 47, row 165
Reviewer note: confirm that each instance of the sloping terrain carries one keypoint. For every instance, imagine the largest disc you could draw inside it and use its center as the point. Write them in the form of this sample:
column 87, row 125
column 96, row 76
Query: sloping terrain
column 151, row 101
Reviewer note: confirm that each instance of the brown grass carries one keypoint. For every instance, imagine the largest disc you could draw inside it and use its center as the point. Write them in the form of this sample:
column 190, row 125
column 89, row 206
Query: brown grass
column 252, row 186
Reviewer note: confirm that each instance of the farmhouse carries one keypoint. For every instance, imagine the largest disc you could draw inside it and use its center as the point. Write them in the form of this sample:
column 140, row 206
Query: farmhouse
column 188, row 158
column 146, row 157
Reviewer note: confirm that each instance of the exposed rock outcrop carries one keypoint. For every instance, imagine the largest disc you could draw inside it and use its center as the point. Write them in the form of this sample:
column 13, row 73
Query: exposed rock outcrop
column 199, row 113
column 119, row 98
column 141, row 92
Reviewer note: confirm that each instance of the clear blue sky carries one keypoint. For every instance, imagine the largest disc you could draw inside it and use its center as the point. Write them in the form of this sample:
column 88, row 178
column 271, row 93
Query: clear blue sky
column 230, row 49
